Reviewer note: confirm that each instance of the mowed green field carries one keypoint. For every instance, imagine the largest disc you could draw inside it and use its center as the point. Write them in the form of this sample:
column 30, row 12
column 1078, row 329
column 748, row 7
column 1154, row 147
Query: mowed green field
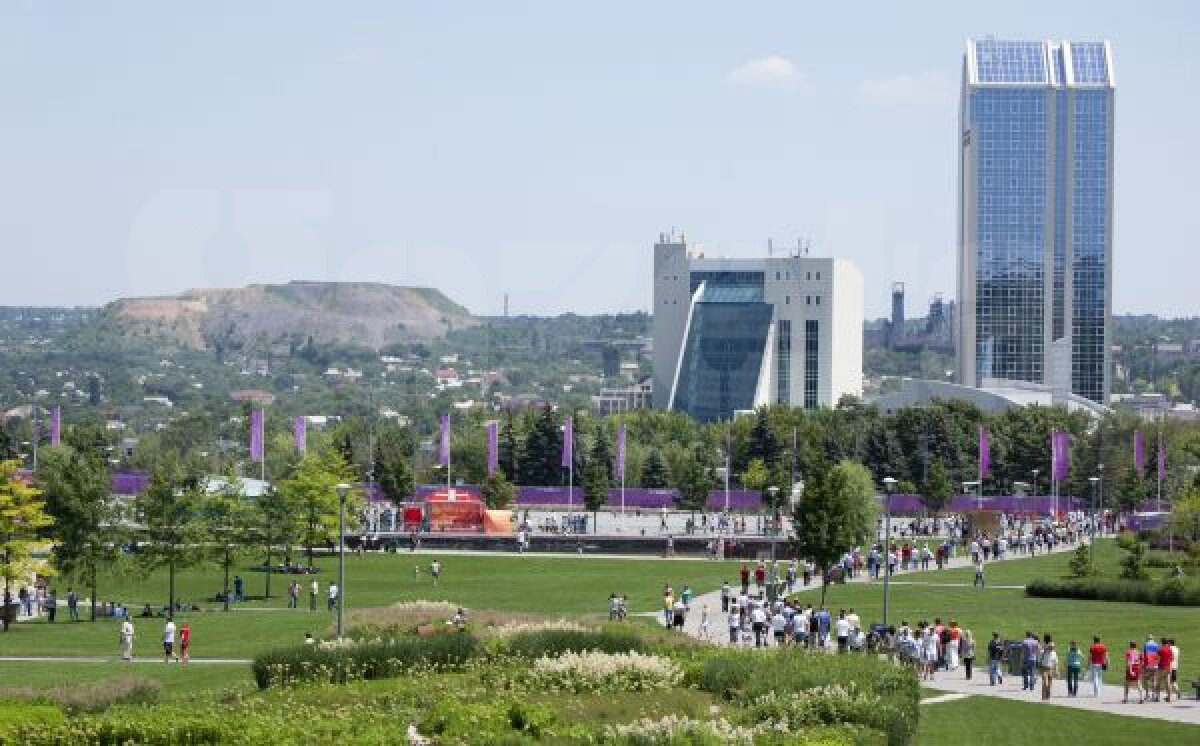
column 948, row 594
column 551, row 585
column 991, row 720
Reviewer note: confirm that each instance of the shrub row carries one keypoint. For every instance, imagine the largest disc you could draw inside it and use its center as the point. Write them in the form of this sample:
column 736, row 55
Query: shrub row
column 1170, row 592
column 543, row 643
column 885, row 698
column 363, row 660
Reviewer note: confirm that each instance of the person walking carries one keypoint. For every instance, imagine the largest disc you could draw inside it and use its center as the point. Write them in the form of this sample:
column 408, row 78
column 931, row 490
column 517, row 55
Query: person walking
column 726, row 592
column 1150, row 651
column 735, row 625
column 967, row 649
column 435, row 569
column 1098, row 658
column 1048, row 666
column 952, row 646
column 1074, row 666
column 52, row 605
column 127, row 633
column 168, row 639
column 1133, row 672
column 744, row 572
column 979, row 582
column 333, row 596
column 293, row 595
column 1174, row 678
column 239, row 588
column 314, row 589
column 72, row 605
column 1030, row 650
column 185, row 643
column 758, row 622
column 1163, row 682
column 995, row 651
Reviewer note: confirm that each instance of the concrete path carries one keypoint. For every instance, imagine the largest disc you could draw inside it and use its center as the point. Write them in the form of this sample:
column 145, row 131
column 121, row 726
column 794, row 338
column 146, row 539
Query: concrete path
column 955, row 682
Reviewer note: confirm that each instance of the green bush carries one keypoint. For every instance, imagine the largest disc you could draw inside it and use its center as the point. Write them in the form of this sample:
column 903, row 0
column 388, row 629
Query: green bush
column 13, row 714
column 363, row 660
column 747, row 678
column 1171, row 592
column 554, row 642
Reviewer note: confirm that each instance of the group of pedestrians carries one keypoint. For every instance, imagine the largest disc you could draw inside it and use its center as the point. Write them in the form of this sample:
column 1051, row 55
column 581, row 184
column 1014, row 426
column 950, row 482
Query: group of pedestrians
column 170, row 632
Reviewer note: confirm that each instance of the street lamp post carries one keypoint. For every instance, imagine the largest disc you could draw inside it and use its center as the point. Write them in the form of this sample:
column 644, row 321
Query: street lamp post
column 889, row 484
column 773, row 492
column 342, row 489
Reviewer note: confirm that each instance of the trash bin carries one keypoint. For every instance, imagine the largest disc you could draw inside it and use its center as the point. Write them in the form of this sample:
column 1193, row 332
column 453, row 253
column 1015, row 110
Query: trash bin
column 1016, row 658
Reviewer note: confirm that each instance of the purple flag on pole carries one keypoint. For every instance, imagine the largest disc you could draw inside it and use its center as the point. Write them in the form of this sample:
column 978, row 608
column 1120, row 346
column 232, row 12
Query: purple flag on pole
column 985, row 455
column 620, row 465
column 568, row 443
column 1139, row 452
column 256, row 435
column 1060, row 450
column 1162, row 459
column 300, row 434
column 493, row 448
column 444, row 440
column 55, row 427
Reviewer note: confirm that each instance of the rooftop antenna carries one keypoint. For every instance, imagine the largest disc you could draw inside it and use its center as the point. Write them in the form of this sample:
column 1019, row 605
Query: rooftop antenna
column 770, row 248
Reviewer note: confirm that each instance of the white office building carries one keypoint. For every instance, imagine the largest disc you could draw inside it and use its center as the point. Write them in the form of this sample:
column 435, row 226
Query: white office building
column 735, row 334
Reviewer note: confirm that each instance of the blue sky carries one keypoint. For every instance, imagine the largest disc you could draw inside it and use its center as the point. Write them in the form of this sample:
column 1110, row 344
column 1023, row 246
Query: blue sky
column 539, row 148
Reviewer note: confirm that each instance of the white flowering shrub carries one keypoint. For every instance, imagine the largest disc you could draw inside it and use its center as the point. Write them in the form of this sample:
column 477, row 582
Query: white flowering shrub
column 603, row 672
column 673, row 729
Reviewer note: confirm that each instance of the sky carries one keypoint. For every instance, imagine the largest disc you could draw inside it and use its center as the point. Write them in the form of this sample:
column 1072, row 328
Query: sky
column 539, row 148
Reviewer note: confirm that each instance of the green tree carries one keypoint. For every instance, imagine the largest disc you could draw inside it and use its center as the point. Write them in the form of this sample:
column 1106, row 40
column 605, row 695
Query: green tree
column 938, row 488
column 694, row 482
column 312, row 489
column 1185, row 516
column 1133, row 490
column 756, row 476
column 1133, row 564
column 227, row 525
column 1082, row 563
column 22, row 516
column 394, row 474
column 541, row 459
column 654, row 473
column 597, row 474
column 278, row 524
column 87, row 521
column 169, row 511
column 764, row 444
column 509, row 449
column 836, row 514
column 498, row 493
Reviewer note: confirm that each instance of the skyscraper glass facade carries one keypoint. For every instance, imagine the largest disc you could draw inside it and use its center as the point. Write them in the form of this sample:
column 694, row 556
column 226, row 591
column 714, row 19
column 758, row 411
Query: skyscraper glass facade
column 1035, row 241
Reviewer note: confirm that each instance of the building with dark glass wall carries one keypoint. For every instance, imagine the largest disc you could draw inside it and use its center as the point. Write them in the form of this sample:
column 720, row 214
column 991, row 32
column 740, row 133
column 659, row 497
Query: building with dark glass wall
column 1035, row 214
column 734, row 334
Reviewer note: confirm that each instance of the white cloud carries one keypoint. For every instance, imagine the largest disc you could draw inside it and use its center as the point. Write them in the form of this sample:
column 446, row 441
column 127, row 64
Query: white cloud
column 925, row 89
column 772, row 72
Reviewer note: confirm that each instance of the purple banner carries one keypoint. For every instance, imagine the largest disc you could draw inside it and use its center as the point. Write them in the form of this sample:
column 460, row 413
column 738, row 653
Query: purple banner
column 493, row 448
column 300, row 434
column 129, row 482
column 1162, row 459
column 1139, row 452
column 1060, row 455
column 55, row 427
column 568, row 446
column 985, row 454
column 256, row 435
column 444, row 440
column 620, row 461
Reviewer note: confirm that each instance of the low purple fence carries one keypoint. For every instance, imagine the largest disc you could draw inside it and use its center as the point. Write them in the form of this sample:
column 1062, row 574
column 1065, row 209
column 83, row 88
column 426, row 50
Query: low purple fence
column 1005, row 503
column 129, row 482
column 636, row 497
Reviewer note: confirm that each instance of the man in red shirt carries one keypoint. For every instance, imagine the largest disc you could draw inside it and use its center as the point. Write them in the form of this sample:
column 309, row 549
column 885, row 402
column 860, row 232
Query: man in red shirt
column 1163, row 682
column 1099, row 659
column 745, row 578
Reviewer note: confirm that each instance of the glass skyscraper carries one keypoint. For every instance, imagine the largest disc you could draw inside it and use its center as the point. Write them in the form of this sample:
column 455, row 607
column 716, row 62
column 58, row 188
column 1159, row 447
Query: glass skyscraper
column 1035, row 214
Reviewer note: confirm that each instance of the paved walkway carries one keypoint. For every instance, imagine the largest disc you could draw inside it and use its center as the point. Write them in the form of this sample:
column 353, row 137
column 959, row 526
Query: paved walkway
column 954, row 683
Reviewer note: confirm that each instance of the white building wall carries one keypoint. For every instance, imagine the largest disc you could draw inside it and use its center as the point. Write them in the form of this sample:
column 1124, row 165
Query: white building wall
column 846, row 348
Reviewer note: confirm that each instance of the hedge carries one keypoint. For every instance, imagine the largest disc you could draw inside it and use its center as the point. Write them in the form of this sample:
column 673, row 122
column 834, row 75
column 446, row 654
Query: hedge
column 1170, row 592
column 554, row 642
column 378, row 659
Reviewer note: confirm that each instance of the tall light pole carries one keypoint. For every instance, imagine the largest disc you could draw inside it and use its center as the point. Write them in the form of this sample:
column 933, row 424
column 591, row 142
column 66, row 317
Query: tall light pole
column 889, row 484
column 773, row 491
column 1099, row 499
column 342, row 489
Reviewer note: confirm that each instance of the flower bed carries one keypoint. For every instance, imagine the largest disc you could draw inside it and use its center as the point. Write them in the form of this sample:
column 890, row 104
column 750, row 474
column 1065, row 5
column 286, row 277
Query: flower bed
column 603, row 672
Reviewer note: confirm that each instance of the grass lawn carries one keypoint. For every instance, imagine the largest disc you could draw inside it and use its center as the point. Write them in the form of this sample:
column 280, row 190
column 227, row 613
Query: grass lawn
column 178, row 682
column 504, row 582
column 987, row 720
